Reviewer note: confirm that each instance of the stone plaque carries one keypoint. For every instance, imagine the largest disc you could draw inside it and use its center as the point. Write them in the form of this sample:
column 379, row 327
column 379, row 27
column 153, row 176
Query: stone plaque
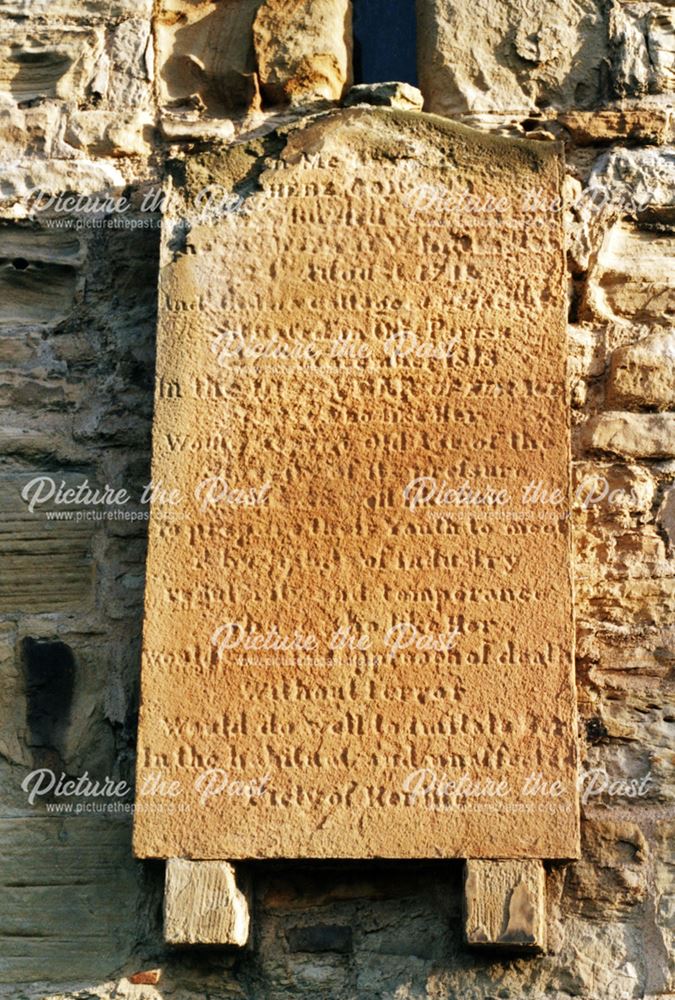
column 358, row 633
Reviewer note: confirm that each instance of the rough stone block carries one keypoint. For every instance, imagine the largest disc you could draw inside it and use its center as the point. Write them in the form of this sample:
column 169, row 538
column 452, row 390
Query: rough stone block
column 634, row 435
column 666, row 516
column 38, row 274
column 390, row 95
column 642, row 47
column 203, row 904
column 643, row 125
column 634, row 279
column 99, row 10
column 643, row 374
column 47, row 564
column 22, row 179
column 41, row 63
column 71, row 895
column 508, row 55
column 633, row 179
column 205, row 55
column 130, row 68
column 101, row 133
column 303, row 49
column 505, row 904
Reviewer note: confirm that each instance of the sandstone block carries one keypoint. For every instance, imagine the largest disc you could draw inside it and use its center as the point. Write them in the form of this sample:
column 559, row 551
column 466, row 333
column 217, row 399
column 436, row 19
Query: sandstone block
column 390, row 95
column 612, row 491
column 613, row 873
column 100, row 133
column 29, row 542
column 643, row 374
column 203, row 904
column 646, row 125
column 623, row 184
column 630, row 180
column 303, row 49
column 331, row 252
column 42, row 63
column 38, row 274
column 23, row 178
column 205, row 55
column 634, row 435
column 661, row 45
column 642, row 45
column 507, row 55
column 71, row 894
column 99, row 10
column 505, row 904
column 129, row 80
column 634, row 279
column 636, row 602
column 666, row 516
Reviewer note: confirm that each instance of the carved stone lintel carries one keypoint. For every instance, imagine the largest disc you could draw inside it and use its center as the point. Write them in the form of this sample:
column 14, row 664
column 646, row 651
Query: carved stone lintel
column 205, row 903
column 504, row 905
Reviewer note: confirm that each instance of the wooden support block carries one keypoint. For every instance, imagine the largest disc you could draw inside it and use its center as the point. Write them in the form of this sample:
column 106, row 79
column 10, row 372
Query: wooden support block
column 505, row 905
column 204, row 905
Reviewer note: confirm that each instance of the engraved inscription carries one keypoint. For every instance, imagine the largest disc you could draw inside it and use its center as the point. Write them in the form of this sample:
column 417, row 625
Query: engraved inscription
column 379, row 604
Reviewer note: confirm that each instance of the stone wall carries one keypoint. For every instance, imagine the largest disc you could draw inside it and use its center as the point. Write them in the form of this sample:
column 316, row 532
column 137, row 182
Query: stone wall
column 94, row 99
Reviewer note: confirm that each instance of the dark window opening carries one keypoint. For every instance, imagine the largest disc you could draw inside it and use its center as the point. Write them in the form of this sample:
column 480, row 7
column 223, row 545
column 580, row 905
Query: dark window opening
column 384, row 41
column 49, row 671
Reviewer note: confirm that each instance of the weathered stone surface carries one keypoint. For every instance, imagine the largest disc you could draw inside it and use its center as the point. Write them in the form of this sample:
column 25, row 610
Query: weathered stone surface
column 613, row 872
column 303, row 50
column 621, row 185
column 327, row 774
column 203, row 904
column 320, row 938
column 21, row 180
column 666, row 516
column 505, row 904
column 636, row 602
column 634, row 435
column 85, row 9
column 634, row 278
column 389, row 95
column 69, row 898
column 506, row 55
column 205, row 55
column 631, row 180
column 588, row 128
column 643, row 374
column 642, row 38
column 129, row 79
column 29, row 540
column 110, row 134
column 41, row 63
column 38, row 274
column 616, row 492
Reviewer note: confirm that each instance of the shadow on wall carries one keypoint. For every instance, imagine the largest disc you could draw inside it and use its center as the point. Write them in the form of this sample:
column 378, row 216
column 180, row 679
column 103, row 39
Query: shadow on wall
column 49, row 673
